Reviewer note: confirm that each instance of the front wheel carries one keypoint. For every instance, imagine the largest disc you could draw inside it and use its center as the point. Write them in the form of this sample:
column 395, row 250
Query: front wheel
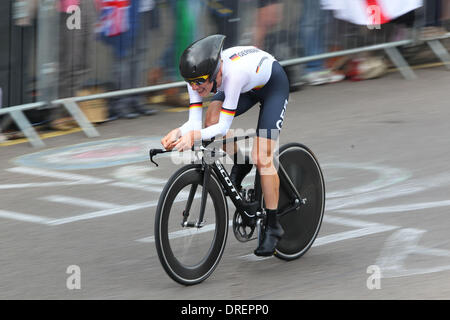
column 188, row 249
column 300, row 226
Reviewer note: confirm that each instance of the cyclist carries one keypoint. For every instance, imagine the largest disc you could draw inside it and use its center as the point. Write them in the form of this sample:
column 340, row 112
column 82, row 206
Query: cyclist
column 239, row 77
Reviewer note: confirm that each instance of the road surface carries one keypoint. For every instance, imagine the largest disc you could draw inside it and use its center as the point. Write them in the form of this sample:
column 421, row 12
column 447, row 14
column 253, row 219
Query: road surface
column 77, row 217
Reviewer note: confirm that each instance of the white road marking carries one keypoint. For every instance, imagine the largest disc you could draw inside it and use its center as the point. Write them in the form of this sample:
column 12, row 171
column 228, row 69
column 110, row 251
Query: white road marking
column 347, row 222
column 363, row 232
column 136, row 186
column 185, row 232
column 59, row 175
column 251, row 257
column 387, row 176
column 390, row 183
column 400, row 245
column 23, row 217
column 36, row 185
column 138, row 174
column 104, row 213
column 398, row 208
column 407, row 188
column 114, row 209
column 365, row 229
column 81, row 202
column 74, row 179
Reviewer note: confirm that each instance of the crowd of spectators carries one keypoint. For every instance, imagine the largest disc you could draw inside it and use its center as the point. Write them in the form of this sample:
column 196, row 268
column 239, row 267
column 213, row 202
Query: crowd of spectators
column 124, row 44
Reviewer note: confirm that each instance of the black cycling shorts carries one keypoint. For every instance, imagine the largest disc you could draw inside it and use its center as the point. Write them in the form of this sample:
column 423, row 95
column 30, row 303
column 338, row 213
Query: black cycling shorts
column 273, row 98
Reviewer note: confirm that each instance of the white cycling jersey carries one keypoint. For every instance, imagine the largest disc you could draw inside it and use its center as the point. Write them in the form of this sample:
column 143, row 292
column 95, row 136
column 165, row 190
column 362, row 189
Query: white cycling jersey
column 244, row 68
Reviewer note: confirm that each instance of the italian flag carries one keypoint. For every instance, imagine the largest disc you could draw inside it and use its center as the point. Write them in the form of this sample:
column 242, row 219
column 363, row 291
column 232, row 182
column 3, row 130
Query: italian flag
column 370, row 12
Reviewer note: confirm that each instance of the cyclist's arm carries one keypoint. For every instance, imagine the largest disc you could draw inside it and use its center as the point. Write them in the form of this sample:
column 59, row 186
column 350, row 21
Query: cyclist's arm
column 232, row 87
column 195, row 112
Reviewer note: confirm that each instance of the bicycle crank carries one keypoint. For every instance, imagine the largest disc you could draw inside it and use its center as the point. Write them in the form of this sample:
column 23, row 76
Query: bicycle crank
column 242, row 231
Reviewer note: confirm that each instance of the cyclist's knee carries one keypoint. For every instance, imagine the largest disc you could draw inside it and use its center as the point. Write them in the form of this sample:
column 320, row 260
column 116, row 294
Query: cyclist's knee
column 263, row 162
column 262, row 156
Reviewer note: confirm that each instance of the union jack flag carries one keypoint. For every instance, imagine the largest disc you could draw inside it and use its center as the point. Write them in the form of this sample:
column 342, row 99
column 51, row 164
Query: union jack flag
column 114, row 17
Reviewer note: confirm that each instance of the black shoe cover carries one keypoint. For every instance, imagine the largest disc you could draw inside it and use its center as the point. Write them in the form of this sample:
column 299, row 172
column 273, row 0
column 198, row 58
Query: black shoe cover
column 269, row 242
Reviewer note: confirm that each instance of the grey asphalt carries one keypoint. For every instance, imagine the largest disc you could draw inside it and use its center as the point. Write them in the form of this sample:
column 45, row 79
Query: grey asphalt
column 384, row 148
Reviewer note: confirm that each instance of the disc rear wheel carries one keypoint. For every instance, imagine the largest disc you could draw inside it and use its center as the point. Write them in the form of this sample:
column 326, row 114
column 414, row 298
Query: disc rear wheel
column 300, row 226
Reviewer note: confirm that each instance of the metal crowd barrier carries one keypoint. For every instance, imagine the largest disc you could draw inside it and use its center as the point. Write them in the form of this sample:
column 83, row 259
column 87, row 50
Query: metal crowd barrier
column 290, row 23
column 71, row 106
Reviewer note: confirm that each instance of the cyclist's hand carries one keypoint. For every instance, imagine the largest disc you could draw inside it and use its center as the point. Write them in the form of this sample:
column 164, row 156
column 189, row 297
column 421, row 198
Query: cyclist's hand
column 170, row 139
column 187, row 141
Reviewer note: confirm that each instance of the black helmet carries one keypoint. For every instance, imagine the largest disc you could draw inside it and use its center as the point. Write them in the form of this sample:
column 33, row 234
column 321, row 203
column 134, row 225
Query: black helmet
column 202, row 58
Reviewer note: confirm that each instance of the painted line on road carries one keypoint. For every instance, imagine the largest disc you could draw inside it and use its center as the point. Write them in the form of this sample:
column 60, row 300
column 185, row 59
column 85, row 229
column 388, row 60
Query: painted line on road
column 103, row 213
column 387, row 176
column 59, row 175
column 398, row 208
column 365, row 229
column 393, row 259
column 185, row 232
column 136, row 186
column 113, row 211
column 395, row 191
column 91, row 215
column 138, row 174
column 81, row 202
column 23, row 217
column 35, row 185
column 108, row 209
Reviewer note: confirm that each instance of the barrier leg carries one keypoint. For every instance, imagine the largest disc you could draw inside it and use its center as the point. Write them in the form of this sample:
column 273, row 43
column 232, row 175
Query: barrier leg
column 400, row 63
column 80, row 118
column 27, row 129
column 440, row 51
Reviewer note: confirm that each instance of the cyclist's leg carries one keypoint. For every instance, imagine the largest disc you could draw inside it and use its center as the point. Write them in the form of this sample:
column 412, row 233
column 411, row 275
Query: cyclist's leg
column 275, row 95
column 262, row 155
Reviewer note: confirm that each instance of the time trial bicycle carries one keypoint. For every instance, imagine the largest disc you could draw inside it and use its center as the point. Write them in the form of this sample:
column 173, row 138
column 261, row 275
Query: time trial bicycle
column 192, row 220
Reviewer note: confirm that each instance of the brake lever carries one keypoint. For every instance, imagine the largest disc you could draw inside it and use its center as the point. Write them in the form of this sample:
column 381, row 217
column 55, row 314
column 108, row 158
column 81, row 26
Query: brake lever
column 154, row 152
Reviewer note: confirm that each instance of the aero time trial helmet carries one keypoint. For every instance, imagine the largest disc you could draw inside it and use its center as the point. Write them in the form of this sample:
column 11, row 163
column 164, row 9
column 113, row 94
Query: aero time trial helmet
column 201, row 60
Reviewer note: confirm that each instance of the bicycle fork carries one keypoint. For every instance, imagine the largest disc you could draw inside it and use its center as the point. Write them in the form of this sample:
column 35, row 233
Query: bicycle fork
column 200, row 222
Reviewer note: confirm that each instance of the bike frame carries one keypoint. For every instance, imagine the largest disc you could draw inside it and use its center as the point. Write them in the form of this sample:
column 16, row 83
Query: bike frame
column 248, row 210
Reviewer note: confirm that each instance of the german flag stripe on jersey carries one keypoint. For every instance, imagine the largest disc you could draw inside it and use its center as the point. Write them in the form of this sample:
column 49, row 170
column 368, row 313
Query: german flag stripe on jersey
column 234, row 57
column 228, row 112
column 195, row 105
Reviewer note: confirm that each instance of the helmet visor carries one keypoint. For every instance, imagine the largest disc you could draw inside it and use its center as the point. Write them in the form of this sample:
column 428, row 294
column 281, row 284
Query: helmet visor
column 198, row 80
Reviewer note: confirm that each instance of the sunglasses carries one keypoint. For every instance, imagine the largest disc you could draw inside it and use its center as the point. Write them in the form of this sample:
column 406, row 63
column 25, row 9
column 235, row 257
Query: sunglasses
column 198, row 81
